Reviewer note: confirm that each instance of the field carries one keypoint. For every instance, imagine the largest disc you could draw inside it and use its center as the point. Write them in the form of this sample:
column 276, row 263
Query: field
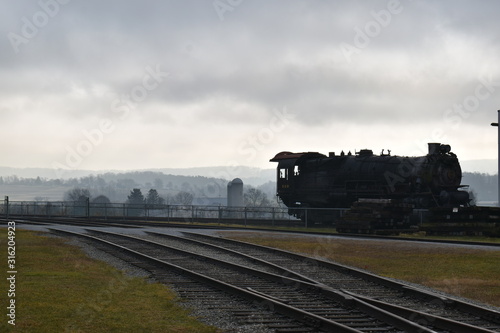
column 464, row 272
column 59, row 289
column 29, row 193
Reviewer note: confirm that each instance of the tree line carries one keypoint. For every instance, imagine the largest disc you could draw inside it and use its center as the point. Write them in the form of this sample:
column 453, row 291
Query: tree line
column 252, row 197
column 117, row 186
column 135, row 197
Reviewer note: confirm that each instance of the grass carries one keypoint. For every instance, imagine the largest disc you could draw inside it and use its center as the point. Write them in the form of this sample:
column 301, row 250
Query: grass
column 464, row 272
column 454, row 238
column 60, row 289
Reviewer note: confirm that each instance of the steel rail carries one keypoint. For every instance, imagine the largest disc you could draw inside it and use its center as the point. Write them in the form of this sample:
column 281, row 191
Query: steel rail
column 485, row 313
column 414, row 315
column 377, row 309
column 283, row 271
column 339, row 297
column 72, row 221
column 365, row 304
column 151, row 222
column 272, row 304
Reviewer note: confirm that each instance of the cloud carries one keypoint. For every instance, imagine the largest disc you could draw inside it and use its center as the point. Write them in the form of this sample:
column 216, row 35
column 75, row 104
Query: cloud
column 413, row 68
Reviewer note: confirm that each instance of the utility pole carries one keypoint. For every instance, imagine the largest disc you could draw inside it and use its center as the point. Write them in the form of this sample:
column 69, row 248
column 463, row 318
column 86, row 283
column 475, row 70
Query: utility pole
column 498, row 169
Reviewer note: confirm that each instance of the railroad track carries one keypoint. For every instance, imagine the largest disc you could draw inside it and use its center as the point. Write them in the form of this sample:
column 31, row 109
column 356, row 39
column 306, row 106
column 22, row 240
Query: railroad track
column 159, row 221
column 81, row 222
column 140, row 223
column 137, row 223
column 290, row 299
column 366, row 285
column 122, row 223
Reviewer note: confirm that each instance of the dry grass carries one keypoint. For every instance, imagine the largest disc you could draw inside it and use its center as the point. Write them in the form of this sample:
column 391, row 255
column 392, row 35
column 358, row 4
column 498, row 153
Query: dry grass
column 60, row 289
column 470, row 273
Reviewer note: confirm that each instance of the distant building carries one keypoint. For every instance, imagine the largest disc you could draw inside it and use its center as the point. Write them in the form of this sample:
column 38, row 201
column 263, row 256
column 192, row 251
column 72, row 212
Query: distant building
column 235, row 193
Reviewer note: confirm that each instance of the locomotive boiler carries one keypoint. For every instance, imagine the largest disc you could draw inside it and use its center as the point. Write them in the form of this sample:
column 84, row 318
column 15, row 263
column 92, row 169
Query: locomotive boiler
column 314, row 180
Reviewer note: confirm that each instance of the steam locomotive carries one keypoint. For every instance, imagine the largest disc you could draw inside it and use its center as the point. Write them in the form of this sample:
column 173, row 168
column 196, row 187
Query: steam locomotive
column 314, row 180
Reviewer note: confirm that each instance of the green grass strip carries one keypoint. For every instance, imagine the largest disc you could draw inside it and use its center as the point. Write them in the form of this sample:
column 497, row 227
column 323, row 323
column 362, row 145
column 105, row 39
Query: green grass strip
column 59, row 289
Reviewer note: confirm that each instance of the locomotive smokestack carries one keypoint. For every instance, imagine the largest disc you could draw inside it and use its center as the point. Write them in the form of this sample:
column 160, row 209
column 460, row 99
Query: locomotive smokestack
column 434, row 148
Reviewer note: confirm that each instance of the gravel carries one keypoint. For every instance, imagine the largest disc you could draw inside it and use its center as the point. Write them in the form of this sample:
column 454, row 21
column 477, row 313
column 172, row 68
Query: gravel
column 223, row 319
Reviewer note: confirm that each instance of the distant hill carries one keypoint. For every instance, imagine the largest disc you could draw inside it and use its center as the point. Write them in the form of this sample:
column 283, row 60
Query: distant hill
column 206, row 184
column 249, row 175
column 483, row 185
column 44, row 173
column 489, row 166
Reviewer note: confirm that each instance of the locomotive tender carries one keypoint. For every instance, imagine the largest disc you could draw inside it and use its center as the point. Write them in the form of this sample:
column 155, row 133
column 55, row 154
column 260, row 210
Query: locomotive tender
column 314, row 180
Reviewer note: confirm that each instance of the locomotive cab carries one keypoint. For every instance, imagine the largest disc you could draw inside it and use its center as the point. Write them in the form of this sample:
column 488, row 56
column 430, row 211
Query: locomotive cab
column 288, row 174
column 285, row 175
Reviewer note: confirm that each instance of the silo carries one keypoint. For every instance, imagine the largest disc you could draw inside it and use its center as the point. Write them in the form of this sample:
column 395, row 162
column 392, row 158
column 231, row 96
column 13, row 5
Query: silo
column 235, row 193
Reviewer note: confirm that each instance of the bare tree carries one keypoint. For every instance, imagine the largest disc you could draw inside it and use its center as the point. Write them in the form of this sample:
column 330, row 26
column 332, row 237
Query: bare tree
column 100, row 205
column 256, row 198
column 101, row 199
column 77, row 194
column 184, row 198
column 159, row 183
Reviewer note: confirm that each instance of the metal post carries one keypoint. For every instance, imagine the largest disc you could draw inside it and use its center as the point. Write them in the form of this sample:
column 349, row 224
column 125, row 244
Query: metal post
column 245, row 216
column 6, row 206
column 498, row 156
column 87, row 207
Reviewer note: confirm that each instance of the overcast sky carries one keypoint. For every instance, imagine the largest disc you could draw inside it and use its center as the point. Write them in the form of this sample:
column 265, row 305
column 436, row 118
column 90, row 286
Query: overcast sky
column 158, row 84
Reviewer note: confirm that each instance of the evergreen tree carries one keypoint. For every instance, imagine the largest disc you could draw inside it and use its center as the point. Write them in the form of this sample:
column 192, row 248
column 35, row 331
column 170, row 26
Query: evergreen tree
column 135, row 200
column 135, row 197
column 153, row 198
